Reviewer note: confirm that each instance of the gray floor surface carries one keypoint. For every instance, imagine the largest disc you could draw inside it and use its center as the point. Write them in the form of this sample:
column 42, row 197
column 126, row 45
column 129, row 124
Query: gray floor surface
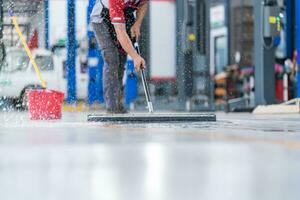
column 239, row 157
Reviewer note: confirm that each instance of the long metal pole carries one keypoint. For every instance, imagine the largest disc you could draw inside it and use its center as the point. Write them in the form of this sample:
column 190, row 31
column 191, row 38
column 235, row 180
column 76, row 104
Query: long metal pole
column 71, row 51
column 2, row 48
column 1, row 20
column 208, row 47
column 180, row 55
column 298, row 46
column 264, row 62
column 46, row 11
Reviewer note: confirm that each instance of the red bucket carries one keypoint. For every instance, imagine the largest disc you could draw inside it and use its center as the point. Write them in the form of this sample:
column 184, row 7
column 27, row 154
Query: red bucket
column 45, row 104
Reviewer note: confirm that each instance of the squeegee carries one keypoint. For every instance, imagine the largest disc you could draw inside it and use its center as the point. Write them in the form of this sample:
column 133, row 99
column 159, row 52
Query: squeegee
column 151, row 117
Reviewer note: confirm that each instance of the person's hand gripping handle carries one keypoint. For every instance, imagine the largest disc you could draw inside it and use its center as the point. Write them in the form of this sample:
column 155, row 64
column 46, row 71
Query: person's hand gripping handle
column 139, row 62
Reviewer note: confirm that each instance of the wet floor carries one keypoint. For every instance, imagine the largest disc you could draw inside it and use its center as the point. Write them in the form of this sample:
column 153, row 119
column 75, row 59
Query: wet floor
column 241, row 156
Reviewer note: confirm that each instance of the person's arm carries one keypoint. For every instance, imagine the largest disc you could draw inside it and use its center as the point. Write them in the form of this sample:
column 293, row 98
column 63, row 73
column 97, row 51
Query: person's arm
column 140, row 15
column 116, row 10
column 126, row 44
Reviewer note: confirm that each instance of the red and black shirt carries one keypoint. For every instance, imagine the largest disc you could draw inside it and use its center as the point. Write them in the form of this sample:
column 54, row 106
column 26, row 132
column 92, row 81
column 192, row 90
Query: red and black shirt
column 116, row 9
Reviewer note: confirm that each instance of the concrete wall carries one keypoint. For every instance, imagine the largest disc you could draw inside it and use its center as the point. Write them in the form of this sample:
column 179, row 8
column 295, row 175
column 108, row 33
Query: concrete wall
column 163, row 40
column 236, row 3
column 58, row 19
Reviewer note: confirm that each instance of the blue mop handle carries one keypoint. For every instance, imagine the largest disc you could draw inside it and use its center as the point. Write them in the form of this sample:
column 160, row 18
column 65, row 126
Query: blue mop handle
column 144, row 80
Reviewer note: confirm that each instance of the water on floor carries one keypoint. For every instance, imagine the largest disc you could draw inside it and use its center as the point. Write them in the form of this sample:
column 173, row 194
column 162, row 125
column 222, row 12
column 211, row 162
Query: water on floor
column 241, row 156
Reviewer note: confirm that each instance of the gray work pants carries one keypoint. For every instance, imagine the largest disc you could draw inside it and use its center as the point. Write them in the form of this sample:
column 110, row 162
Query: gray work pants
column 114, row 65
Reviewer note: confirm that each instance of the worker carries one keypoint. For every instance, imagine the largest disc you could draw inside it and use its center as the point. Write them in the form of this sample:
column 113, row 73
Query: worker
column 116, row 25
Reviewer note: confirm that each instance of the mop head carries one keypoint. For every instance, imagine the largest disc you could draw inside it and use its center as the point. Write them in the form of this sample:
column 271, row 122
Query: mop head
column 152, row 118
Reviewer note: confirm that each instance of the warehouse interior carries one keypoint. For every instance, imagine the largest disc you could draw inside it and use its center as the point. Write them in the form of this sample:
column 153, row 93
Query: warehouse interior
column 213, row 70
column 214, row 115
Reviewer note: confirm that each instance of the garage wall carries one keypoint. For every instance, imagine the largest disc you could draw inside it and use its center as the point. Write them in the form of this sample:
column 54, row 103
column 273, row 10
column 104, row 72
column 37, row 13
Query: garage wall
column 162, row 39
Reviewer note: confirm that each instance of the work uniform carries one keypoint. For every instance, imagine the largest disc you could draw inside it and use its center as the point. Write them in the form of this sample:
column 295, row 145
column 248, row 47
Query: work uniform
column 106, row 13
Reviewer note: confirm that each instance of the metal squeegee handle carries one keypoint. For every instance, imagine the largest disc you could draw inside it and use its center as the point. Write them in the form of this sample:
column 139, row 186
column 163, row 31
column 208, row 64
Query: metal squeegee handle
column 145, row 85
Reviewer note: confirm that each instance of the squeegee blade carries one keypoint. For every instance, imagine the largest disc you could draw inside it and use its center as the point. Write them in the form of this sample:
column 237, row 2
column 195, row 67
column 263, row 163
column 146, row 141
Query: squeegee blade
column 153, row 118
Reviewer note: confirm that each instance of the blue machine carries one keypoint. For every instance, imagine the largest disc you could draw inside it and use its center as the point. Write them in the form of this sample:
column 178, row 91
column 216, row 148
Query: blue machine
column 71, row 53
column 95, row 64
column 131, row 89
column 289, row 28
column 298, row 45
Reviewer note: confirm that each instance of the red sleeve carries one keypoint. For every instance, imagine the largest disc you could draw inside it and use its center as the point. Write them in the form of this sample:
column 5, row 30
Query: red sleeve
column 116, row 11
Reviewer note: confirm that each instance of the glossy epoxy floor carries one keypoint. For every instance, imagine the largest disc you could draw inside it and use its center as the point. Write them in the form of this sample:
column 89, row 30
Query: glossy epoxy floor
column 239, row 157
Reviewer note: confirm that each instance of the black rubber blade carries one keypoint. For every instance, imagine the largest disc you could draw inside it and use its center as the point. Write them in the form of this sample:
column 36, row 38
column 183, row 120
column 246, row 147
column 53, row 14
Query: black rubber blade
column 153, row 118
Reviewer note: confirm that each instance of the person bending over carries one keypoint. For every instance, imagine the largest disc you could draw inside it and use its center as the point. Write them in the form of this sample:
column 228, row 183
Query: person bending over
column 114, row 24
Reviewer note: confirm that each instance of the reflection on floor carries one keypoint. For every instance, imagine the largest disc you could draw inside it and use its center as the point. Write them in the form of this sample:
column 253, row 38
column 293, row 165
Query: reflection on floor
column 239, row 157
